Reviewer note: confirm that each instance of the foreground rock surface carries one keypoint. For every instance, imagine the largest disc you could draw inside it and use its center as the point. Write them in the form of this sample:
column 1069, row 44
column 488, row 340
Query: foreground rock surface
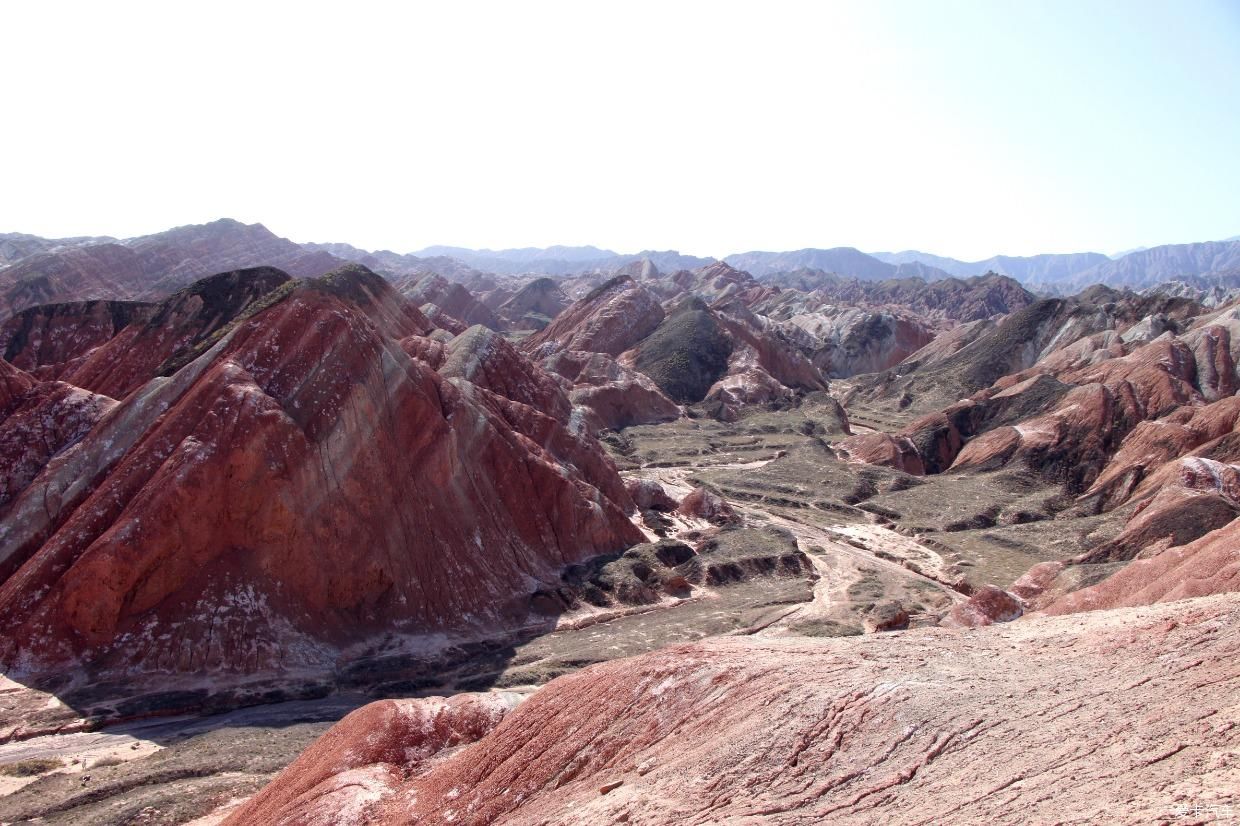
column 366, row 755
column 928, row 726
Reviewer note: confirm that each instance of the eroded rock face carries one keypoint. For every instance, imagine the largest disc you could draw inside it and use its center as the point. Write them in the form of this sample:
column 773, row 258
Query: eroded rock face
column 534, row 305
column 897, row 452
column 848, row 732
column 303, row 483
column 955, row 299
column 364, row 757
column 484, row 359
column 845, row 340
column 52, row 339
column 1067, row 417
column 452, row 299
column 174, row 331
column 1209, row 565
column 648, row 494
column 36, row 425
column 986, row 606
column 610, row 319
column 615, row 396
column 704, row 503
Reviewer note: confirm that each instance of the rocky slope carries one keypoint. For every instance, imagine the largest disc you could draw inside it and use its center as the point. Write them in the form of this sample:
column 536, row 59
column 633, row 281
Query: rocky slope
column 452, row 299
column 610, row 319
column 188, row 529
column 951, row 299
column 1124, row 417
column 534, row 305
column 912, row 728
column 49, row 340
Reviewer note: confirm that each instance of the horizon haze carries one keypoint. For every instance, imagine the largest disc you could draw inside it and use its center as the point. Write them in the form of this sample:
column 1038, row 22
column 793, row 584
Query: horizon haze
column 966, row 130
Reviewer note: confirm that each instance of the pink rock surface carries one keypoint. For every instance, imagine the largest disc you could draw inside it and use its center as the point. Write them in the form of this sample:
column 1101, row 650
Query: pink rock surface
column 883, row 449
column 927, row 726
column 704, row 503
column 452, row 299
column 52, row 339
column 366, row 756
column 1209, row 565
column 610, row 319
column 986, row 606
column 615, row 396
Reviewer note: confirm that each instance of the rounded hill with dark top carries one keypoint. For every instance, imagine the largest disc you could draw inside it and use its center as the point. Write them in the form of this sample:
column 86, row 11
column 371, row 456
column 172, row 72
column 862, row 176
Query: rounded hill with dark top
column 687, row 353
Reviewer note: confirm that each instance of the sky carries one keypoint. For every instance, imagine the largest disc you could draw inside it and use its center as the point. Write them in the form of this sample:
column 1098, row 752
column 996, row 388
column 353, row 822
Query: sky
column 959, row 128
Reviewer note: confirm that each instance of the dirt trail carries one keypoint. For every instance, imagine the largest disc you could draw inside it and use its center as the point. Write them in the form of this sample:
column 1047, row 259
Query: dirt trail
column 849, row 558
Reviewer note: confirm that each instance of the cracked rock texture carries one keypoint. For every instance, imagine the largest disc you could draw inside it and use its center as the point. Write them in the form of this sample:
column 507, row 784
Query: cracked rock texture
column 923, row 727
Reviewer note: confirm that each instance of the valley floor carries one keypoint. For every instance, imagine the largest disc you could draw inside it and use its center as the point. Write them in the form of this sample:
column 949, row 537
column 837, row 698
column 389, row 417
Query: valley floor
column 880, row 543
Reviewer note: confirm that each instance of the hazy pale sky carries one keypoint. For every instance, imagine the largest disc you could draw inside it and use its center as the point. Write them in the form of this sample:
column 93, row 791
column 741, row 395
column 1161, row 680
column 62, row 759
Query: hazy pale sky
column 964, row 128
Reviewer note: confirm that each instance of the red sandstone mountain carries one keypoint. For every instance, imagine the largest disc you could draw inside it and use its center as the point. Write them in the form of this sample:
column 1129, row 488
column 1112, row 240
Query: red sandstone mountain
column 1142, row 416
column 159, row 339
column 610, row 319
column 452, row 299
column 50, row 340
column 301, row 483
column 614, row 396
column 956, row 299
column 722, row 354
column 534, row 305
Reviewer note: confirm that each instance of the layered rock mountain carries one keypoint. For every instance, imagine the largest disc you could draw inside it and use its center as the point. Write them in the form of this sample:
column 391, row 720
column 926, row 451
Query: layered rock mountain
column 51, row 339
column 971, row 299
column 305, row 480
column 452, row 299
column 720, row 354
column 610, row 319
column 672, row 541
column 113, row 348
column 534, row 305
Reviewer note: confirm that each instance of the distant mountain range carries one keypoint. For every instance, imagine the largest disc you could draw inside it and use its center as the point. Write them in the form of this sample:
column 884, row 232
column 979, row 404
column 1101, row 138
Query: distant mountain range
column 840, row 260
column 37, row 270
column 560, row 260
column 1206, row 264
column 1035, row 269
column 1203, row 265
